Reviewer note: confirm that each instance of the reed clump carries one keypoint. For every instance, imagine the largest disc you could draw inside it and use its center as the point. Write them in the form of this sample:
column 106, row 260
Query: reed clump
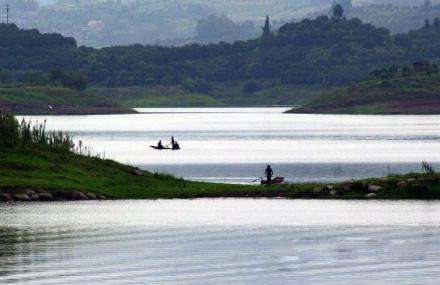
column 15, row 135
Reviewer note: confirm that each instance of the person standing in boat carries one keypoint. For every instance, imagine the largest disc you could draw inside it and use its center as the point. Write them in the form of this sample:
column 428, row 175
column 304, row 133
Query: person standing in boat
column 269, row 173
column 173, row 143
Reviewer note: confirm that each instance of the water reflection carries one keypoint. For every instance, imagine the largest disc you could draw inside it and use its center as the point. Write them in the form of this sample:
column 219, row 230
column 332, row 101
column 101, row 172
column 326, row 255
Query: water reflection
column 235, row 241
column 15, row 247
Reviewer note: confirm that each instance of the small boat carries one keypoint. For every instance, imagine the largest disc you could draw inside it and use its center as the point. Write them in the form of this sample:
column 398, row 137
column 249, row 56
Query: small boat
column 276, row 180
column 164, row 148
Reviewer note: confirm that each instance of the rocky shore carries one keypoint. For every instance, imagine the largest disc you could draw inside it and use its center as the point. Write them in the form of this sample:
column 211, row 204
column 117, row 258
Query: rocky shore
column 397, row 187
column 18, row 195
column 411, row 186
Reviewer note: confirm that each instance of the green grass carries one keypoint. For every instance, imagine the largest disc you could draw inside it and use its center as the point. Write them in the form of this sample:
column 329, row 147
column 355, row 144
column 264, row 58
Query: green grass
column 48, row 171
column 160, row 96
column 51, row 171
column 221, row 95
column 35, row 100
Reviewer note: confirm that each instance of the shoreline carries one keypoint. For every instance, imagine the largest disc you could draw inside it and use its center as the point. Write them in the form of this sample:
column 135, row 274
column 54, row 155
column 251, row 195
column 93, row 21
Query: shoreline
column 68, row 111
column 412, row 186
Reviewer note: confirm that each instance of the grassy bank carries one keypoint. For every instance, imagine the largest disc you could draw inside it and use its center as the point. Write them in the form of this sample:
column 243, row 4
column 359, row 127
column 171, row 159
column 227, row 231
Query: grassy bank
column 219, row 95
column 47, row 100
column 412, row 94
column 61, row 175
column 57, row 174
column 50, row 100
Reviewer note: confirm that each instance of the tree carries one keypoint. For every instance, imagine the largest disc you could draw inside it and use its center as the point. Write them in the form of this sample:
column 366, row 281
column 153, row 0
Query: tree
column 266, row 28
column 427, row 24
column 406, row 71
column 433, row 69
column 74, row 80
column 436, row 24
column 251, row 87
column 338, row 12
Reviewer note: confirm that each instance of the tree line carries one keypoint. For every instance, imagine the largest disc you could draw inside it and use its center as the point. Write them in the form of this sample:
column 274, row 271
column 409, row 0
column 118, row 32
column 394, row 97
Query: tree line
column 321, row 52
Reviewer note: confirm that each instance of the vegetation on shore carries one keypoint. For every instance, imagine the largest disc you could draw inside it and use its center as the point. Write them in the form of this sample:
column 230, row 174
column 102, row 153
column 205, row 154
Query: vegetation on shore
column 36, row 165
column 52, row 100
column 389, row 91
column 221, row 95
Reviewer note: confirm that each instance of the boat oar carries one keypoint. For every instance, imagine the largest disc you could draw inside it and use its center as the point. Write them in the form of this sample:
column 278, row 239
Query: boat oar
column 256, row 180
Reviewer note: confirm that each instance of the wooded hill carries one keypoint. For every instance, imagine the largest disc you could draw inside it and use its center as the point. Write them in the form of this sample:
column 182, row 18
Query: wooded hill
column 321, row 52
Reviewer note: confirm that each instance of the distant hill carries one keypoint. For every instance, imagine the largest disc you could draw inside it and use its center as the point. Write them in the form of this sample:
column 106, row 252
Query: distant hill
column 312, row 52
column 318, row 53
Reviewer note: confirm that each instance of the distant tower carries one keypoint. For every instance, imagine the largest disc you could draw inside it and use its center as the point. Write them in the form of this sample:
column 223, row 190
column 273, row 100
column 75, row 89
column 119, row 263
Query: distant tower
column 7, row 14
column 266, row 28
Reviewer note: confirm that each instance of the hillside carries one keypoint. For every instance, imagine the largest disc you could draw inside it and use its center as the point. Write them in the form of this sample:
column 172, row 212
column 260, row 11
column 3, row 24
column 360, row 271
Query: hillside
column 274, row 69
column 322, row 51
column 51, row 100
column 400, row 94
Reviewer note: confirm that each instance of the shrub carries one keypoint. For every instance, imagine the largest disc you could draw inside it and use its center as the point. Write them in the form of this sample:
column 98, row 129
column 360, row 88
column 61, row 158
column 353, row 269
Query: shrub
column 427, row 167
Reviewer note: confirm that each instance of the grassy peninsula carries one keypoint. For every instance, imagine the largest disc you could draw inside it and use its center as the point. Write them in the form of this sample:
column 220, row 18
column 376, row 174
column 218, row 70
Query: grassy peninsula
column 398, row 93
column 36, row 165
column 52, row 100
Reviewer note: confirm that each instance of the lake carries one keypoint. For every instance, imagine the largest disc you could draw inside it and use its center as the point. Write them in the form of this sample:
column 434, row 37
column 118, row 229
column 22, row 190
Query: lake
column 234, row 241
column 234, row 145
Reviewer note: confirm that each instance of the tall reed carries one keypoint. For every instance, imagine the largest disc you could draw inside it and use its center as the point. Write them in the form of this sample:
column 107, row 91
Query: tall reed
column 9, row 130
column 25, row 134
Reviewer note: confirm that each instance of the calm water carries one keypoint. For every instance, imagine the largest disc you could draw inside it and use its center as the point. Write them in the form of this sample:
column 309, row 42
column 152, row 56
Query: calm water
column 220, row 241
column 234, row 145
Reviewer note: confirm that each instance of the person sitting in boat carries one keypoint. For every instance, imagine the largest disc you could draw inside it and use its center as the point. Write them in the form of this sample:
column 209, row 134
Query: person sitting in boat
column 269, row 173
column 160, row 145
column 176, row 145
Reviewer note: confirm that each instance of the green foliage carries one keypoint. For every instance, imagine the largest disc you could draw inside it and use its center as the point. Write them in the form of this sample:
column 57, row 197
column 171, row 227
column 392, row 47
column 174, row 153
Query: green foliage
column 15, row 135
column 48, row 100
column 9, row 130
column 427, row 167
column 251, row 87
column 74, row 80
column 320, row 52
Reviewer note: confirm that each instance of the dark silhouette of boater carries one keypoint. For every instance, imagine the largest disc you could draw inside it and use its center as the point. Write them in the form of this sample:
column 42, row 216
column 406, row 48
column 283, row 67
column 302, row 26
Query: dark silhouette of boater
column 174, row 144
column 159, row 145
column 269, row 173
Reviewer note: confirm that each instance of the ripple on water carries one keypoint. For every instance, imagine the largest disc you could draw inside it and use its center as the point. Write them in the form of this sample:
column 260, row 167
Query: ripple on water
column 240, row 242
